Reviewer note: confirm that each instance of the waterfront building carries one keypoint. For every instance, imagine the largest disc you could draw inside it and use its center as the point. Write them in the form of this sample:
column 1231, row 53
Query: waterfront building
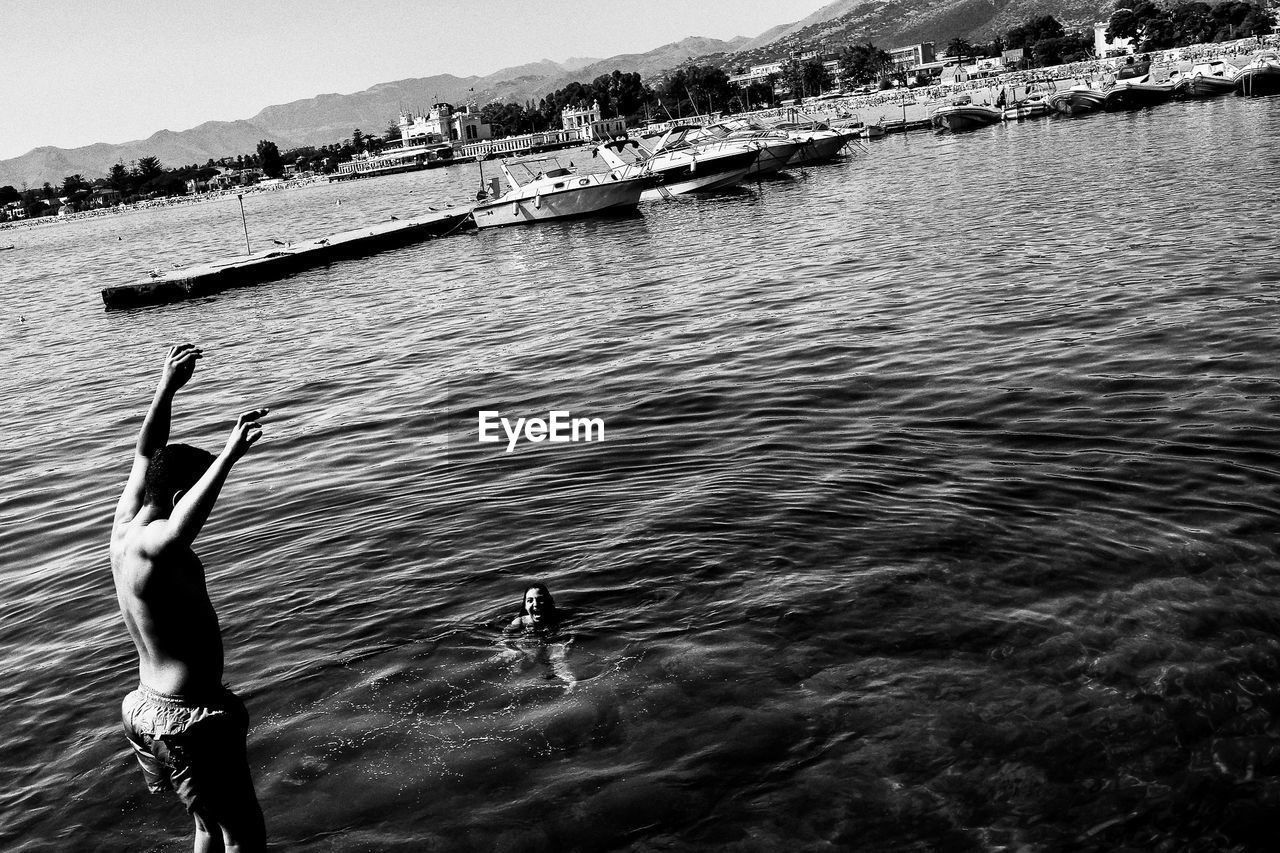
column 929, row 71
column 407, row 159
column 527, row 143
column 589, row 124
column 759, row 74
column 234, row 178
column 1104, row 47
column 426, row 141
column 106, row 196
column 1014, row 57
column 444, row 123
column 907, row 59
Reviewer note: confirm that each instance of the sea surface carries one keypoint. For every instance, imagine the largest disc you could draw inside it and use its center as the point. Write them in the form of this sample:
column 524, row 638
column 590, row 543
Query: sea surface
column 938, row 508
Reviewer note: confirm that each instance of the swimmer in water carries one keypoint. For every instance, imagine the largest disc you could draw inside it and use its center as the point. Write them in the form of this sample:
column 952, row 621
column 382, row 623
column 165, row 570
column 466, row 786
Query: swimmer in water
column 537, row 611
column 540, row 619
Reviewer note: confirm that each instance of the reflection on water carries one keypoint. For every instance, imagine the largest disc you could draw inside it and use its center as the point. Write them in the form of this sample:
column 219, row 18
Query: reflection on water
column 936, row 511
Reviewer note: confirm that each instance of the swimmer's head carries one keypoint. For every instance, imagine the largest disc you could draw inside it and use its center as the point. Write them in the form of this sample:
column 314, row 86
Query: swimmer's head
column 174, row 469
column 539, row 606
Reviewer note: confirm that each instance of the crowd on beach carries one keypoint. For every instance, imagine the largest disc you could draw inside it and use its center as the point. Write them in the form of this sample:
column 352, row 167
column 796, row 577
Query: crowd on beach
column 1048, row 77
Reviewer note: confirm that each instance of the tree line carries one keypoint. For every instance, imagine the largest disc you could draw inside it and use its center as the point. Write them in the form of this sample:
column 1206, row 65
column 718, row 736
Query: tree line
column 1155, row 27
column 1150, row 27
column 147, row 178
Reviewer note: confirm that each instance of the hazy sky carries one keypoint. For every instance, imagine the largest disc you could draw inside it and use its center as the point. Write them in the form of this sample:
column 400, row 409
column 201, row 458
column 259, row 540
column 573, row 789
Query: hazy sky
column 83, row 71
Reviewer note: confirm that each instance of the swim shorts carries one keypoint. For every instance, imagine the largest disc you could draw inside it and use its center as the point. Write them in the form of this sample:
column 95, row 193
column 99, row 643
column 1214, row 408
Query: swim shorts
column 196, row 748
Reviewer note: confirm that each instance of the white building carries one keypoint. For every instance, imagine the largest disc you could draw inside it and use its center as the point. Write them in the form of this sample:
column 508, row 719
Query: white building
column 1103, row 48
column 443, row 123
column 590, row 125
column 907, row 58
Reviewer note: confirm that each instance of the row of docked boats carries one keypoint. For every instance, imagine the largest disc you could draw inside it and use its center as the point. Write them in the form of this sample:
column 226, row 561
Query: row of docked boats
column 685, row 159
column 689, row 158
column 1131, row 88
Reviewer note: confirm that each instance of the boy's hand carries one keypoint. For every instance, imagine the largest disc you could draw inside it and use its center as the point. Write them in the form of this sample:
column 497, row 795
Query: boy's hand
column 179, row 364
column 245, row 434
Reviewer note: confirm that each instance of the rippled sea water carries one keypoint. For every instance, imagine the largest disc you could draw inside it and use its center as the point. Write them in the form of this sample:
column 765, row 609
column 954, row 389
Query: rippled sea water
column 937, row 508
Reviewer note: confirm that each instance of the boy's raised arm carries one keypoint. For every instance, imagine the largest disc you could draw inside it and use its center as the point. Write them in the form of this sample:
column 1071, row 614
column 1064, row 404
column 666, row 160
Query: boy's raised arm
column 193, row 508
column 179, row 364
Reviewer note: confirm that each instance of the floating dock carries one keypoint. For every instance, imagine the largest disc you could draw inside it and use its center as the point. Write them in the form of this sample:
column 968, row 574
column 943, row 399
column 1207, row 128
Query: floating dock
column 284, row 260
column 904, row 126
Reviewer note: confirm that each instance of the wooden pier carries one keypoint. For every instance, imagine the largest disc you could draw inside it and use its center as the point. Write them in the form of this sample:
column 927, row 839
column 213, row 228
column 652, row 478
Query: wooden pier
column 284, row 260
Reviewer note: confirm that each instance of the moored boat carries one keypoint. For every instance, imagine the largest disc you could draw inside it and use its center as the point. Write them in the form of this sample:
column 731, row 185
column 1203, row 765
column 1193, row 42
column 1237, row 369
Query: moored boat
column 819, row 142
column 1080, row 99
column 959, row 117
column 774, row 148
column 1032, row 106
column 853, row 128
column 679, row 168
column 557, row 193
column 1261, row 76
column 1206, row 80
column 1137, row 93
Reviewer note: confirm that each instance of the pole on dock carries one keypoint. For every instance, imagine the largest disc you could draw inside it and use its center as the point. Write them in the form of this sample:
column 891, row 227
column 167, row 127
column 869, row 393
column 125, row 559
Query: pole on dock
column 245, row 223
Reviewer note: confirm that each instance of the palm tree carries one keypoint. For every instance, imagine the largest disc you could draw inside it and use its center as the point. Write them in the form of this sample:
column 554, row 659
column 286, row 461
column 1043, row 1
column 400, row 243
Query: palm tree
column 960, row 47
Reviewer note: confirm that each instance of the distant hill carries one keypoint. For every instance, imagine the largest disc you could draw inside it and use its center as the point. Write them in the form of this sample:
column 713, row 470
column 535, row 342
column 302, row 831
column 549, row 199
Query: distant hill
column 332, row 117
column 898, row 23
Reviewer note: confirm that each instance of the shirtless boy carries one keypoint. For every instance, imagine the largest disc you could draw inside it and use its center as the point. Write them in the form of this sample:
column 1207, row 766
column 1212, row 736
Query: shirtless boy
column 187, row 730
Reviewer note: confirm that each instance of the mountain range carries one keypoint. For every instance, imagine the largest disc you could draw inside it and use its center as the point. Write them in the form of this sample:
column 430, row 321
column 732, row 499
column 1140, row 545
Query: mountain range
column 333, row 117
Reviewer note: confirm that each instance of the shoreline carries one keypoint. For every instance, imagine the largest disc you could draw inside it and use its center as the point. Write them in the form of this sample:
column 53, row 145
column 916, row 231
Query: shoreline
column 914, row 111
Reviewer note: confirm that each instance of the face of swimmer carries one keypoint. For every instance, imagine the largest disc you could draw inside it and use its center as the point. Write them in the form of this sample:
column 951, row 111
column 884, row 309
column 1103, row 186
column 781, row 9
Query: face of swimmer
column 537, row 604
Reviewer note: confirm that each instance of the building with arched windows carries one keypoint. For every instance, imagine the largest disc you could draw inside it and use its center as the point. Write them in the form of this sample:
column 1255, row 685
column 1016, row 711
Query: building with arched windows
column 589, row 124
column 444, row 123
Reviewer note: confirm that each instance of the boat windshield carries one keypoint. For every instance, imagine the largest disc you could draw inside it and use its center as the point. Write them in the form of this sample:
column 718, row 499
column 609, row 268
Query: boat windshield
column 528, row 169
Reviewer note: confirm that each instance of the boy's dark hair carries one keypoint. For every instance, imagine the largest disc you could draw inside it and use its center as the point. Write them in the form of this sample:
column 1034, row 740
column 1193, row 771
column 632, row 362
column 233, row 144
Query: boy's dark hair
column 174, row 468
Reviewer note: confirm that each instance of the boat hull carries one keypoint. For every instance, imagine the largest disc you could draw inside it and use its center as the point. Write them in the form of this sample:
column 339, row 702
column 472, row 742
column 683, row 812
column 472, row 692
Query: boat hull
column 681, row 172
column 1254, row 81
column 958, row 119
column 1203, row 87
column 818, row 148
column 772, row 157
column 703, row 184
column 599, row 194
column 1135, row 96
column 1026, row 110
column 1075, row 102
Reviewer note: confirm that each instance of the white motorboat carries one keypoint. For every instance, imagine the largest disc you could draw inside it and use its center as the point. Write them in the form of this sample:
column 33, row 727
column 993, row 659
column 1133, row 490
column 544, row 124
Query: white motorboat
column 676, row 167
column 557, row 193
column 774, row 148
column 1032, row 106
column 819, row 142
column 1205, row 80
